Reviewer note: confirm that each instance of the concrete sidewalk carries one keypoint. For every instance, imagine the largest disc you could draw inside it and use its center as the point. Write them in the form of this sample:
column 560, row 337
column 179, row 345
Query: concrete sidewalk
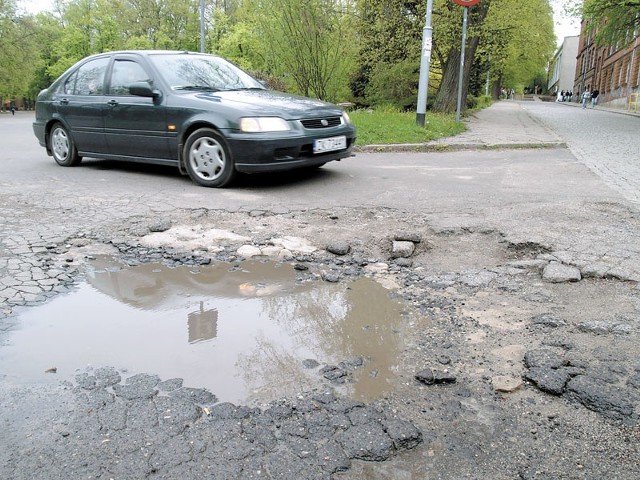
column 504, row 124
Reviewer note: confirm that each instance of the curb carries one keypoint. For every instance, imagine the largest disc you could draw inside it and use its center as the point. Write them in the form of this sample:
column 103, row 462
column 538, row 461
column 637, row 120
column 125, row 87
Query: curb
column 454, row 147
column 602, row 109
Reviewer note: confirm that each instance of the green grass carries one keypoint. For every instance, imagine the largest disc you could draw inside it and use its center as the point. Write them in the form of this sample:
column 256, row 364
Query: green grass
column 383, row 126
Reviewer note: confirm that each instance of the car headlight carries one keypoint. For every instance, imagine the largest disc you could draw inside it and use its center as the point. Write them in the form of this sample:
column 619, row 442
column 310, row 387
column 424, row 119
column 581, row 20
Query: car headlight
column 263, row 124
column 345, row 118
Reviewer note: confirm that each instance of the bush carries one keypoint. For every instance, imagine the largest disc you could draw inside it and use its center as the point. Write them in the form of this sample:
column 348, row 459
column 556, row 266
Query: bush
column 478, row 103
column 395, row 85
column 272, row 82
column 483, row 101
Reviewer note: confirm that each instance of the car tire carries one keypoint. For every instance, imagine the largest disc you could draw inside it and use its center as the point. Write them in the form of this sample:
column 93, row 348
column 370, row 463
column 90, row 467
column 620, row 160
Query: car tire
column 62, row 146
column 207, row 158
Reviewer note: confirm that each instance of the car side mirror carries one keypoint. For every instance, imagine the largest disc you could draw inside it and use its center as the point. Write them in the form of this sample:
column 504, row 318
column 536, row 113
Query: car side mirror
column 143, row 89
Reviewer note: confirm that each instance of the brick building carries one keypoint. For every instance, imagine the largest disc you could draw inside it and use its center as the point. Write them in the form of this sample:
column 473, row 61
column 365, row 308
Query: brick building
column 613, row 71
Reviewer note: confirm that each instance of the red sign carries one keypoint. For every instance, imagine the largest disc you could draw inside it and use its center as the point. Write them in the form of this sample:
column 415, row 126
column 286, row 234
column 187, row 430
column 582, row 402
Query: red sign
column 466, row 3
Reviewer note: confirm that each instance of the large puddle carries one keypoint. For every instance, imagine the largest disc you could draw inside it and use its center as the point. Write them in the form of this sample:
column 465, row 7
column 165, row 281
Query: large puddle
column 244, row 332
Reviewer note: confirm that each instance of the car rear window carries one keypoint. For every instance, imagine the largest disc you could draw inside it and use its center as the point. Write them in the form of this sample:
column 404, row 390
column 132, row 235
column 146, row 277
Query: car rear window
column 88, row 79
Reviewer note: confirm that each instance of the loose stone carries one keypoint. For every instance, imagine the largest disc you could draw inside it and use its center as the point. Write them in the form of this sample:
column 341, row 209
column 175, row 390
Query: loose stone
column 506, row 384
column 248, row 251
column 408, row 237
column 339, row 247
column 434, row 377
column 402, row 249
column 160, row 226
column 559, row 273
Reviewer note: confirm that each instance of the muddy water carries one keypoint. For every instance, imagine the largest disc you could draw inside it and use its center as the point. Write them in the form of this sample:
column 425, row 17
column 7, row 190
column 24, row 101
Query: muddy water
column 242, row 332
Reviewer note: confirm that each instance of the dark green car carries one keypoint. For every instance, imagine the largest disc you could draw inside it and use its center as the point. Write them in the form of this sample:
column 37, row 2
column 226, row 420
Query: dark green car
column 195, row 111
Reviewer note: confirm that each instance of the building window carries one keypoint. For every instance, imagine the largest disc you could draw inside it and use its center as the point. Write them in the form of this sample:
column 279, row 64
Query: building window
column 635, row 70
column 624, row 71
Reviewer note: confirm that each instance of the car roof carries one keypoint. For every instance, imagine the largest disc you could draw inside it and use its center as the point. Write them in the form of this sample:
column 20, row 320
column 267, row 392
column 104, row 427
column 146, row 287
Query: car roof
column 149, row 52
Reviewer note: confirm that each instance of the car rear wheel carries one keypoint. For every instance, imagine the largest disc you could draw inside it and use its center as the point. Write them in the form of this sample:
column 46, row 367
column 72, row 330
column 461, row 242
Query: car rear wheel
column 62, row 146
column 208, row 159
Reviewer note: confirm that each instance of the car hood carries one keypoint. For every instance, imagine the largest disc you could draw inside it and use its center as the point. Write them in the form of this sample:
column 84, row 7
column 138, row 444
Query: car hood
column 270, row 102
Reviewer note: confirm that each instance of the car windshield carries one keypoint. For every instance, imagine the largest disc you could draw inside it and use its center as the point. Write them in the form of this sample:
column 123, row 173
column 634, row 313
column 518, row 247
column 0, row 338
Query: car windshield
column 202, row 72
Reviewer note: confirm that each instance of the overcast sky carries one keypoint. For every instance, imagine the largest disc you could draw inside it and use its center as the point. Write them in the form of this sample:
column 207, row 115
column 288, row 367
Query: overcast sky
column 563, row 27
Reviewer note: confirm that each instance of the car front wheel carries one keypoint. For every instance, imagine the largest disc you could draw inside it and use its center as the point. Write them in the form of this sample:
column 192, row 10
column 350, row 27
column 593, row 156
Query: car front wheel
column 208, row 159
column 62, row 146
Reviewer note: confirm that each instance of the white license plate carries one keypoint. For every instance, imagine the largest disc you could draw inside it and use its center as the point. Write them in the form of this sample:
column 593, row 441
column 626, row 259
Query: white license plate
column 330, row 144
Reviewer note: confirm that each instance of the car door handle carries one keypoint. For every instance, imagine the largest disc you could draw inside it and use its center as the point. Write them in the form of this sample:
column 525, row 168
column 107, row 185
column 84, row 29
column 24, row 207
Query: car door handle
column 112, row 103
column 64, row 101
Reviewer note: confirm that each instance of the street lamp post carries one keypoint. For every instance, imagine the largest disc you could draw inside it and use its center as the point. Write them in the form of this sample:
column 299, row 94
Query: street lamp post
column 462, row 53
column 425, row 62
column 202, row 26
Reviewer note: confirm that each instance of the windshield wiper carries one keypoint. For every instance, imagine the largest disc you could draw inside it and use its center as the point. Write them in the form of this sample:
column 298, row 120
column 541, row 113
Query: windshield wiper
column 243, row 88
column 203, row 88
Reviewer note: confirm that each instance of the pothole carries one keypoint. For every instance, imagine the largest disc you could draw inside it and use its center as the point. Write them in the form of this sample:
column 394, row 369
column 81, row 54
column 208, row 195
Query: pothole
column 247, row 331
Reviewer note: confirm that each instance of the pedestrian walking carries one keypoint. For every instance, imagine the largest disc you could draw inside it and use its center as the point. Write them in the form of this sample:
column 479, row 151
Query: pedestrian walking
column 12, row 107
column 594, row 97
column 586, row 95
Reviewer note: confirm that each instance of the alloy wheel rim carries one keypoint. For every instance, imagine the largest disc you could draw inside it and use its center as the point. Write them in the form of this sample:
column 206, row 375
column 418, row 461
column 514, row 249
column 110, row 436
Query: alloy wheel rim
column 60, row 144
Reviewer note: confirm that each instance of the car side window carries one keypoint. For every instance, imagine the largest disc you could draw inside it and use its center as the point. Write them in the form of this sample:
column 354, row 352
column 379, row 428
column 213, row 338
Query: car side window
column 70, row 84
column 90, row 77
column 125, row 72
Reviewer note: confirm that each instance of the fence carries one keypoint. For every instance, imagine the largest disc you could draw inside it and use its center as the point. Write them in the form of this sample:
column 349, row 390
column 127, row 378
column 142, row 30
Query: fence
column 634, row 100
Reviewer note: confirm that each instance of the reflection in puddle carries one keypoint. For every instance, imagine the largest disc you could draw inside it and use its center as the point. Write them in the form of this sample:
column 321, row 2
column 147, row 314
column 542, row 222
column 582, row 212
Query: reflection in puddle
column 242, row 332
column 203, row 325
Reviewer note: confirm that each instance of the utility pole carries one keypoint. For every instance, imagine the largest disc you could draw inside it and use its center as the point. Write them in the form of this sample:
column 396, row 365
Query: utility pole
column 425, row 63
column 466, row 4
column 202, row 26
column 486, row 87
column 462, row 49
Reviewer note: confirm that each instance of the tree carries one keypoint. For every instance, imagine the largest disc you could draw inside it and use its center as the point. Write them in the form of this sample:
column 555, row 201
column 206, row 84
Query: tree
column 87, row 27
column 18, row 48
column 612, row 21
column 234, row 37
column 446, row 98
column 514, row 41
column 390, row 34
column 162, row 24
column 94, row 26
column 517, row 42
column 309, row 41
column 47, row 37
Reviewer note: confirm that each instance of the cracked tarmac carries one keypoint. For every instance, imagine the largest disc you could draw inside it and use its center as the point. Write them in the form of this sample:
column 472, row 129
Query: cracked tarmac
column 545, row 364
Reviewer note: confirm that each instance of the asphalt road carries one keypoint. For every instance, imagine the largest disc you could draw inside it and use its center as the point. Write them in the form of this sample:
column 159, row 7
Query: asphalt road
column 410, row 180
column 498, row 188
column 577, row 203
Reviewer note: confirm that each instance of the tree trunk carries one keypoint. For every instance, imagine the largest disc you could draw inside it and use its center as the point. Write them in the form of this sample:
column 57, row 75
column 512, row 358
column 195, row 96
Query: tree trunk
column 447, row 97
column 495, row 88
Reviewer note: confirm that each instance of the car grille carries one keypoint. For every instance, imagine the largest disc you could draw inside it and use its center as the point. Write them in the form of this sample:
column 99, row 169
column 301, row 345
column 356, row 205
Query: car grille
column 327, row 122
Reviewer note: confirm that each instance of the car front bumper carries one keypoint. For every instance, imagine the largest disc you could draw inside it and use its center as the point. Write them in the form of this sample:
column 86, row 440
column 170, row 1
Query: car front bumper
column 270, row 155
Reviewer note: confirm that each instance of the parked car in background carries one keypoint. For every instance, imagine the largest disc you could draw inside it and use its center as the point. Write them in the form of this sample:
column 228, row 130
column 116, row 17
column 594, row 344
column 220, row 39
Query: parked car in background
column 195, row 111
